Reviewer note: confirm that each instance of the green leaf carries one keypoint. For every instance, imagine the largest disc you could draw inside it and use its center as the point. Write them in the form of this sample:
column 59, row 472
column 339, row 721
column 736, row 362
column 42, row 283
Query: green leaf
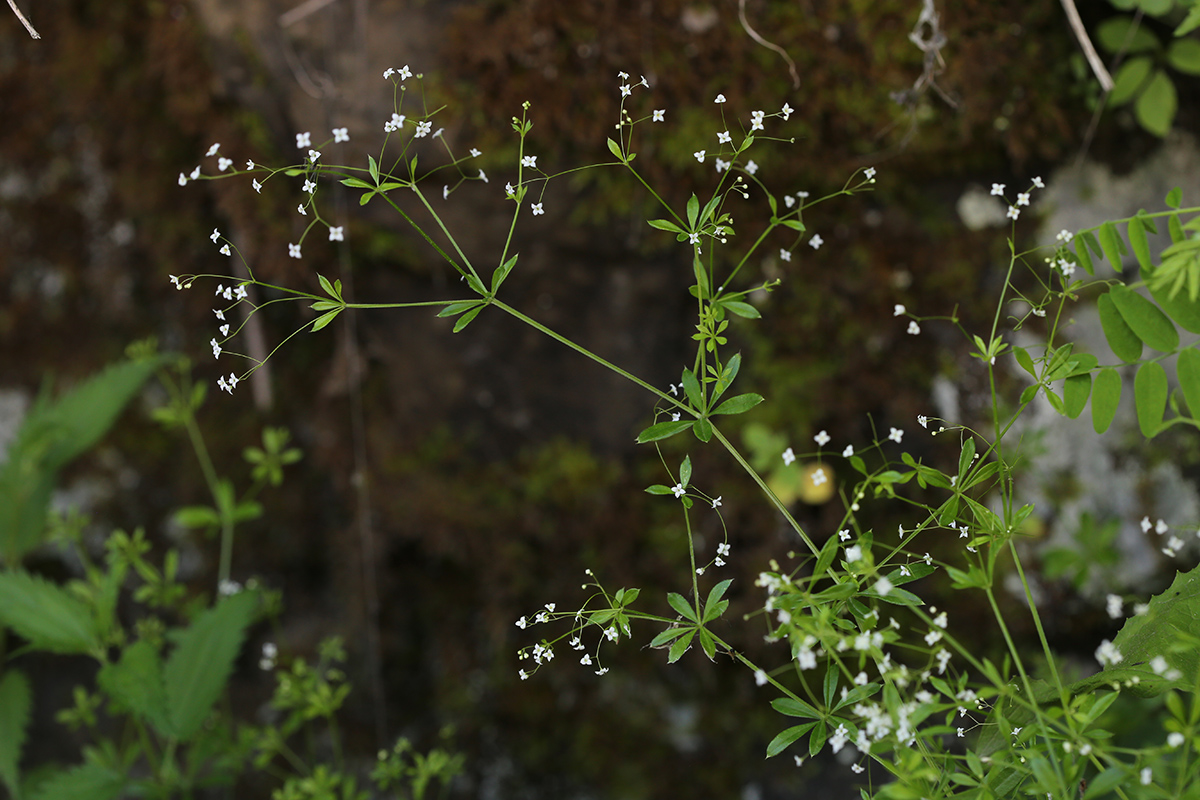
column 1075, row 394
column 615, row 149
column 1150, row 324
column 198, row 668
column 691, row 388
column 1187, row 368
column 366, row 198
column 1083, row 258
column 662, row 430
column 703, row 429
column 1150, row 393
column 685, row 471
column 744, row 310
column 324, row 305
column 658, row 489
column 1124, row 342
column 1182, row 307
column 328, row 287
column 681, row 605
column 325, row 319
column 666, row 225
column 1175, row 196
column 681, row 645
column 1184, row 55
column 693, row 211
column 739, row 404
column 16, row 702
column 701, row 275
column 792, row 707
column 1114, row 248
column 1136, row 232
column 46, row 614
column 1106, row 781
column 92, row 781
column 966, row 457
column 708, row 644
column 1125, row 34
column 785, row 738
column 1190, row 23
column 1106, row 396
column 466, row 319
column 501, row 272
column 1026, row 362
column 714, row 606
column 1129, row 79
column 728, row 375
column 670, row 634
column 829, row 551
column 136, row 683
column 373, row 168
column 357, row 183
column 1156, row 106
column 457, row 308
column 817, row 739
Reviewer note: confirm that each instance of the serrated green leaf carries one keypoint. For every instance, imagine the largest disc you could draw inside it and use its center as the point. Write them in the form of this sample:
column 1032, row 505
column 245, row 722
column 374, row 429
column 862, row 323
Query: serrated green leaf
column 1124, row 342
column 1187, row 369
column 136, row 683
column 16, row 703
column 739, row 404
column 681, row 605
column 46, row 614
column 1150, row 394
column 786, row 738
column 1136, row 231
column 1106, row 396
column 466, row 319
column 1156, row 106
column 198, row 668
column 662, row 430
column 86, row 780
column 1150, row 324
column 1075, row 394
column 325, row 319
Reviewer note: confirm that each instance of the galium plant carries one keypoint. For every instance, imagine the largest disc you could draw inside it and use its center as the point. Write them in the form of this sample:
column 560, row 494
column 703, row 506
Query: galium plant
column 864, row 665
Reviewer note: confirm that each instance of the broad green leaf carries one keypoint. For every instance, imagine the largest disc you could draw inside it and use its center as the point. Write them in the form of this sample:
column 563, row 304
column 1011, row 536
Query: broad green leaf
column 1136, row 232
column 662, row 430
column 1190, row 22
column 739, row 404
column 1150, row 393
column 1184, row 55
column 681, row 605
column 86, row 780
column 817, row 739
column 1124, row 342
column 615, row 149
column 466, row 319
column 703, row 429
column 136, row 683
column 16, row 702
column 785, row 738
column 707, row 643
column 1124, row 34
column 681, row 645
column 691, row 388
column 1183, row 308
column 1113, row 247
column 1150, row 324
column 744, row 310
column 1106, row 396
column 1156, row 106
column 46, row 614
column 1109, row 779
column 1175, row 196
column 1187, row 368
column 1075, row 394
column 670, row 634
column 658, row 489
column 1024, row 360
column 198, row 668
column 1083, row 258
column 1129, row 79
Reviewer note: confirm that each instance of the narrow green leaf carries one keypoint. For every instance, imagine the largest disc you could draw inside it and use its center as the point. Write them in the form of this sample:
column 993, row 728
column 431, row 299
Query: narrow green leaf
column 817, row 739
column 1156, row 106
column 16, row 702
column 701, row 274
column 1150, row 324
column 327, row 287
column 325, row 319
column 501, row 273
column 1124, row 342
column 662, row 430
column 707, row 644
column 1112, row 244
column 1176, row 230
column 786, row 738
column 829, row 684
column 615, row 149
column 1181, row 308
column 703, row 430
column 666, row 225
column 1150, row 393
column 829, row 551
column 693, row 211
column 691, row 389
column 728, row 375
column 670, row 634
column 795, row 708
column 373, row 168
column 744, row 310
column 197, row 517
column 739, row 404
column 966, row 458
column 680, row 647
column 1106, row 396
column 681, row 605
column 198, row 668
column 323, row 305
column 1190, row 22
column 1026, row 362
column 685, row 471
column 658, row 489
column 453, row 309
column 1083, row 258
column 714, row 599
column 1075, row 394
column 466, row 319
column 1187, row 368
column 46, row 614
column 356, row 183
column 366, row 198
column 1136, row 231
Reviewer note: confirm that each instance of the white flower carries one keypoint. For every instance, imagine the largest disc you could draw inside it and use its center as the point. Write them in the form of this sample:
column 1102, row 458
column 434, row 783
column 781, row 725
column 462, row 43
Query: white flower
column 183, row 179
column 1146, row 524
column 716, row 503
column 1160, row 527
column 788, row 456
column 225, row 251
column 724, row 137
column 524, row 675
column 340, row 135
column 475, row 153
column 216, row 234
column 313, row 155
column 310, row 186
column 1174, row 739
column 786, row 255
column 335, row 234
column 257, row 186
column 1146, row 776
column 387, row 73
column 678, row 490
column 241, row 293
column 789, row 201
column 722, row 165
column 883, row 586
column 1038, row 183
column 300, row 208
column 898, row 310
column 751, row 167
column 249, row 164
column 1013, row 212
column 1065, row 236
column 699, row 154
column 895, row 434
column 625, row 90
column 529, row 161
column 720, row 99
column 537, row 210
column 586, row 660
column 483, row 176
column 816, row 241
column 853, row 554
column 195, row 173
column 760, row 677
column 228, row 587
column 212, row 151
column 869, row 172
column 786, row 111
column 821, row 439
column 914, row 328
column 394, row 123
column 521, row 623
column 224, row 163
column 1107, row 654
column 1114, row 604
column 1023, row 199
column 224, row 329
column 659, row 115
column 294, row 251
column 404, row 73
column 303, row 140
column 997, row 189
column 756, row 120
column 423, row 129
column 849, row 451
column 723, row 549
